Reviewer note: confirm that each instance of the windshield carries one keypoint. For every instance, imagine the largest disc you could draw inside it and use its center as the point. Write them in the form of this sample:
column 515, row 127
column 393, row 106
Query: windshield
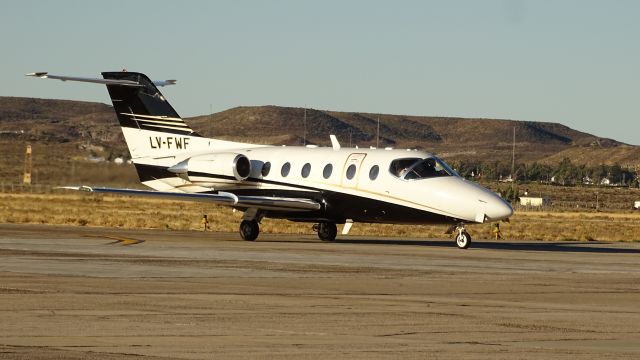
column 416, row 168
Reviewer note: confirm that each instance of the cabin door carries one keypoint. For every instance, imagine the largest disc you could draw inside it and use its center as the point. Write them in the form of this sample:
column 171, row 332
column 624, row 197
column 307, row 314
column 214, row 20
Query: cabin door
column 351, row 170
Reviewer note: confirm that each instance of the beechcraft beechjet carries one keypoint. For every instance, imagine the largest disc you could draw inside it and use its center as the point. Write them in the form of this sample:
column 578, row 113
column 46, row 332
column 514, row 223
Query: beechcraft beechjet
column 323, row 185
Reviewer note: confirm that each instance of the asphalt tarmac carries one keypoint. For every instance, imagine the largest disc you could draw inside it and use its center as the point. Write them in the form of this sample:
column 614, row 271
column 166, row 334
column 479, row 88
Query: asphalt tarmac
column 94, row 293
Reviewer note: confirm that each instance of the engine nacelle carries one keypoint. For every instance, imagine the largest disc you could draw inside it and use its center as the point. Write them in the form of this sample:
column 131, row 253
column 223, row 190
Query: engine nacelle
column 198, row 169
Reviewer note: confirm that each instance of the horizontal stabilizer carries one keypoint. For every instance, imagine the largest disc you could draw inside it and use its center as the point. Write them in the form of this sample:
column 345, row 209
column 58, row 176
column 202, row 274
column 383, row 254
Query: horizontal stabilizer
column 46, row 75
column 221, row 198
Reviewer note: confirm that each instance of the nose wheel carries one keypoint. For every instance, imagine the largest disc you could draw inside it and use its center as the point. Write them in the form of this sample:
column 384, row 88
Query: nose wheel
column 463, row 239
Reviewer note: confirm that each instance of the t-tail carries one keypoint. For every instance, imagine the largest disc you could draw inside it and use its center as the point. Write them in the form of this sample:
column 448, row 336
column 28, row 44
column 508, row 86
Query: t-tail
column 155, row 134
column 157, row 137
column 150, row 125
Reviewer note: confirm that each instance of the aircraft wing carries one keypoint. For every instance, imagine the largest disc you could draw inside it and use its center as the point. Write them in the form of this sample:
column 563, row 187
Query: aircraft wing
column 221, row 198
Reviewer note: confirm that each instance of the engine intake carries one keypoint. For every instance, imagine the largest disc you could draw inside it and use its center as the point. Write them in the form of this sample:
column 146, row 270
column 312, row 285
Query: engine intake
column 241, row 167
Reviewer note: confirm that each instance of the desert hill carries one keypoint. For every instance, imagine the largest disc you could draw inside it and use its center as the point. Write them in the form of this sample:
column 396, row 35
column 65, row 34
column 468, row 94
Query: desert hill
column 457, row 138
column 60, row 130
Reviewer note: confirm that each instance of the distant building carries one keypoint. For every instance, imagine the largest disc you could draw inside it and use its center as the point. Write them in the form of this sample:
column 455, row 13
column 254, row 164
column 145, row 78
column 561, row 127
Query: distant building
column 118, row 161
column 587, row 180
column 96, row 159
column 605, row 181
column 508, row 179
column 535, row 201
column 636, row 205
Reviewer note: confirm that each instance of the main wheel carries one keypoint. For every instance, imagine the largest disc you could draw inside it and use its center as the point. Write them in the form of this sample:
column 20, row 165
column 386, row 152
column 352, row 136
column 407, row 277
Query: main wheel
column 327, row 231
column 463, row 240
column 249, row 230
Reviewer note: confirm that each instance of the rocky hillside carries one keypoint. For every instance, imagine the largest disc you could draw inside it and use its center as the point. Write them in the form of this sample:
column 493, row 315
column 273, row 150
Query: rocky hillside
column 61, row 130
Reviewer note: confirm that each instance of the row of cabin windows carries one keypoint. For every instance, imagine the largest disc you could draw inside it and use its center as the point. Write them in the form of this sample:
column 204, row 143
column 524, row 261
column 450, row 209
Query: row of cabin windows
column 406, row 169
column 326, row 172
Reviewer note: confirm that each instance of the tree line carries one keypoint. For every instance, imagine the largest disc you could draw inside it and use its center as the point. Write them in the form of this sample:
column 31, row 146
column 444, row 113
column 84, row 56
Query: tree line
column 564, row 173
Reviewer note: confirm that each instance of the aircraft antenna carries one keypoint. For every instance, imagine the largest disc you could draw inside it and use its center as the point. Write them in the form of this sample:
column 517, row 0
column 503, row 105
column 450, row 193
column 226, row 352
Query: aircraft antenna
column 28, row 166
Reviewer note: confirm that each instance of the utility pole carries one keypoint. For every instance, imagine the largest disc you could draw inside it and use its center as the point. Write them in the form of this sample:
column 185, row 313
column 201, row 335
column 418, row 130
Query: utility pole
column 28, row 166
column 378, row 133
column 211, row 119
column 304, row 134
column 513, row 155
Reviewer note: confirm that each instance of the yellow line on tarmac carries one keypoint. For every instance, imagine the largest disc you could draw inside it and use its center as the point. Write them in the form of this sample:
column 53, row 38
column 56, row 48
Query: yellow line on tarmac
column 124, row 241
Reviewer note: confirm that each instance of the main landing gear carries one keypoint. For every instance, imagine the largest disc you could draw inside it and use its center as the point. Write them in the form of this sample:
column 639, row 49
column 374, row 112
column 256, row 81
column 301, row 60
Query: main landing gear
column 327, row 231
column 249, row 230
column 463, row 239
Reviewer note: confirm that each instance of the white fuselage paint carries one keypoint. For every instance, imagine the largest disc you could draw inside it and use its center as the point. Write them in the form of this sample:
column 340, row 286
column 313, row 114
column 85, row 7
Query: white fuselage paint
column 450, row 196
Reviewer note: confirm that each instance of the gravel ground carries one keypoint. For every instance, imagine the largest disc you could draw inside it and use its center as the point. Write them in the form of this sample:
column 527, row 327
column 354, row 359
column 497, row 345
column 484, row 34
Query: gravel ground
column 97, row 293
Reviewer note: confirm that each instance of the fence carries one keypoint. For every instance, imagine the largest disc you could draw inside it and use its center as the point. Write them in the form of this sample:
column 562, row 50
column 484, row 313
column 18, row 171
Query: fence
column 10, row 188
column 604, row 204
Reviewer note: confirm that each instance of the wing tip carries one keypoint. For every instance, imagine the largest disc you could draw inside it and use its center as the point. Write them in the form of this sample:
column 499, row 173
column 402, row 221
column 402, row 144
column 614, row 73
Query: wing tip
column 40, row 74
column 76, row 188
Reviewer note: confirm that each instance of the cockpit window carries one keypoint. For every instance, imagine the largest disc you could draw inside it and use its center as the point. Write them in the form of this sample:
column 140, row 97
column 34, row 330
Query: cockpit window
column 416, row 168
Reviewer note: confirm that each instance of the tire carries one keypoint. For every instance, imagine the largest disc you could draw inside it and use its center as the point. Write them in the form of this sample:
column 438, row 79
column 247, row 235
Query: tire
column 249, row 230
column 327, row 231
column 463, row 240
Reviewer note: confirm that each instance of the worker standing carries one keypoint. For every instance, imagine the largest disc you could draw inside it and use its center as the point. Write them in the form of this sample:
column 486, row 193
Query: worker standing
column 496, row 231
column 205, row 222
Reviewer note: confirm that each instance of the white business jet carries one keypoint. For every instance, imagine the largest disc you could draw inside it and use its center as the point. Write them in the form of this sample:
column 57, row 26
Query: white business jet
column 322, row 185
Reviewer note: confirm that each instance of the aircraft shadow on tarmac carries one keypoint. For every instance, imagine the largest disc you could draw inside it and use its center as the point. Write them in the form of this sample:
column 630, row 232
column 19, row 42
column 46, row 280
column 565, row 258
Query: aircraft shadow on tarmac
column 578, row 246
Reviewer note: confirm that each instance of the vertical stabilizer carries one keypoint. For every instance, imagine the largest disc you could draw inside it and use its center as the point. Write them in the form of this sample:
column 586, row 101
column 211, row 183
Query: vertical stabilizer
column 143, row 106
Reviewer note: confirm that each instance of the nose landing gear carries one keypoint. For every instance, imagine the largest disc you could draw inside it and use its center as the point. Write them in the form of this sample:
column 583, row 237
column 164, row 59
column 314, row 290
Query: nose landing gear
column 463, row 239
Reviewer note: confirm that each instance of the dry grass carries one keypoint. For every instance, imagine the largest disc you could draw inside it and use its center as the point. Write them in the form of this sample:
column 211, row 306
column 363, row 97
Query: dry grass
column 131, row 212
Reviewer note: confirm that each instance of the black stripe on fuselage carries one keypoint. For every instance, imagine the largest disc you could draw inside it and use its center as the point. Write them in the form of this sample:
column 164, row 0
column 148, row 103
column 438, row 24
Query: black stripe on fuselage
column 336, row 207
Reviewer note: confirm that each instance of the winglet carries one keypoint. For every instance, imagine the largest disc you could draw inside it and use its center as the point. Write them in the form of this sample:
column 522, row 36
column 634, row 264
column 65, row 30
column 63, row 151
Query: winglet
column 334, row 142
column 42, row 74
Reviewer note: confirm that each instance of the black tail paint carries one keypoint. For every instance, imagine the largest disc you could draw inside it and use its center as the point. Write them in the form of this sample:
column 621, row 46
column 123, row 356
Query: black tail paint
column 142, row 106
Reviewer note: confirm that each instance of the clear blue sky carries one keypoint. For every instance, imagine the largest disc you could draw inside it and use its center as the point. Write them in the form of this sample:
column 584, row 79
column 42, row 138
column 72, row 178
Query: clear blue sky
column 572, row 62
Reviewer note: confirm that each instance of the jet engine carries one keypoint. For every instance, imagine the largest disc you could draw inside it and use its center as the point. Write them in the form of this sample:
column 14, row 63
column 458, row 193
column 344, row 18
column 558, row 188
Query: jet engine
column 202, row 167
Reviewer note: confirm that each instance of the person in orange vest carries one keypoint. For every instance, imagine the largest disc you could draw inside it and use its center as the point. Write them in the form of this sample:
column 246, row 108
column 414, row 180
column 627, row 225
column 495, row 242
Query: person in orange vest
column 496, row 231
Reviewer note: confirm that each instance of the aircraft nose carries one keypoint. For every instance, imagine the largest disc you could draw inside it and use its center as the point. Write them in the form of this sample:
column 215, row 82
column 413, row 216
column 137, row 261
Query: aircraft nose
column 498, row 209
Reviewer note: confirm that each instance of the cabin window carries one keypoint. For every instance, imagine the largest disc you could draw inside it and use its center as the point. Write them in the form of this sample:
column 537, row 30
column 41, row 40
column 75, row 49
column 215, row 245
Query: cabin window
column 373, row 172
column 351, row 171
column 326, row 172
column 416, row 168
column 266, row 167
column 286, row 167
column 306, row 169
